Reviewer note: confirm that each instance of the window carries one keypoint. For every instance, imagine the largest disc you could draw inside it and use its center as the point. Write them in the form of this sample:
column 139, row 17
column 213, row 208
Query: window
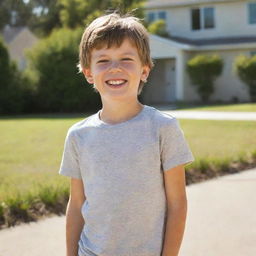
column 162, row 15
column 151, row 17
column 202, row 18
column 208, row 18
column 252, row 13
column 196, row 19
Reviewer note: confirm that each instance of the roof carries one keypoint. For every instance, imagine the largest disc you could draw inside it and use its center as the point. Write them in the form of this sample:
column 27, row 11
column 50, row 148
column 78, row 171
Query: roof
column 151, row 4
column 215, row 41
column 168, row 47
column 9, row 33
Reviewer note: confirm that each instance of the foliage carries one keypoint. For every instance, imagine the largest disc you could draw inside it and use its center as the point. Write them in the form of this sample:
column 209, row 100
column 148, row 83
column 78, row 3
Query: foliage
column 158, row 27
column 80, row 13
column 23, row 13
column 53, row 63
column 203, row 70
column 245, row 68
column 45, row 17
column 12, row 88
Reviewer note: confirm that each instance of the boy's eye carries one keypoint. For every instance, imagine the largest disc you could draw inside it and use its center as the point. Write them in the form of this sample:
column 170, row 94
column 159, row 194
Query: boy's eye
column 102, row 61
column 126, row 59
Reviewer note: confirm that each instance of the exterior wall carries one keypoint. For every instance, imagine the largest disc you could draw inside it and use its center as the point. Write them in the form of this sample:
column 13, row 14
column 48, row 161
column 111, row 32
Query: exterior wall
column 231, row 19
column 227, row 85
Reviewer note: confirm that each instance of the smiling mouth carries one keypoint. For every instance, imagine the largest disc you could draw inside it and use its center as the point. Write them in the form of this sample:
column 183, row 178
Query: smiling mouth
column 116, row 83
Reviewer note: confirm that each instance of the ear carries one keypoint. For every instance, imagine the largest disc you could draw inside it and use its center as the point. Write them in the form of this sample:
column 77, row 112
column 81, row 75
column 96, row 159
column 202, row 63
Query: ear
column 145, row 73
column 88, row 75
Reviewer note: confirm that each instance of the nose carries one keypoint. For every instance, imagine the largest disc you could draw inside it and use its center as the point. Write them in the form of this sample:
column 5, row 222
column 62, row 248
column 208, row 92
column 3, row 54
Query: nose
column 115, row 66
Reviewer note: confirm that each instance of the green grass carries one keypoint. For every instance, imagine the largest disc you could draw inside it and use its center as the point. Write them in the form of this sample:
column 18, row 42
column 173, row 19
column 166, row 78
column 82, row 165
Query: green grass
column 211, row 139
column 31, row 151
column 241, row 107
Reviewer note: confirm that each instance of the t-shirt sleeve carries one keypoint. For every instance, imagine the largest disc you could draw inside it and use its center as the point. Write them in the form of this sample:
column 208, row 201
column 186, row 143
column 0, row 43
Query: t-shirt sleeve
column 70, row 158
column 174, row 147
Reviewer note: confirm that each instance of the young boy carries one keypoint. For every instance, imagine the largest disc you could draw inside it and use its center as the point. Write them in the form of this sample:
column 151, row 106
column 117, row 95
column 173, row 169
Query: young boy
column 126, row 162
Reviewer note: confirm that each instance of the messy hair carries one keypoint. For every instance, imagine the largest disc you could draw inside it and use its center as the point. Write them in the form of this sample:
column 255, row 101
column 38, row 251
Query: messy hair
column 110, row 31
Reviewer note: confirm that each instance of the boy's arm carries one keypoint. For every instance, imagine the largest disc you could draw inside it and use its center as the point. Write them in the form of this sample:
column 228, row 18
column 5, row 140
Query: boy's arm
column 74, row 218
column 175, row 190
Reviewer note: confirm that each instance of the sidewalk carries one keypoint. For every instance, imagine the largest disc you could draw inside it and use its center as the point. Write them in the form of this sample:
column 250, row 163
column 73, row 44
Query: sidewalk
column 211, row 115
column 206, row 115
column 221, row 221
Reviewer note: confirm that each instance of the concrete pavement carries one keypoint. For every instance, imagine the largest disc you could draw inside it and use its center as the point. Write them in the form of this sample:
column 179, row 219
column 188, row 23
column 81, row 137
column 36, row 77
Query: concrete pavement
column 42, row 238
column 207, row 115
column 212, row 115
column 221, row 221
column 221, row 217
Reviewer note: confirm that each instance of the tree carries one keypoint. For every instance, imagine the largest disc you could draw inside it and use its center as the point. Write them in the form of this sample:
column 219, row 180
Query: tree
column 203, row 70
column 80, row 13
column 11, row 86
column 245, row 68
column 15, row 13
column 45, row 17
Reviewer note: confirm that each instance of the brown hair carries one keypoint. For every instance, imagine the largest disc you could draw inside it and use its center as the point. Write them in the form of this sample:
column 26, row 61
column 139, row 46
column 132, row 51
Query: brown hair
column 110, row 30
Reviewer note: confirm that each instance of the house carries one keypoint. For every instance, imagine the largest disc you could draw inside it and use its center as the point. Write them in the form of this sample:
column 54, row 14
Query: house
column 224, row 27
column 18, row 39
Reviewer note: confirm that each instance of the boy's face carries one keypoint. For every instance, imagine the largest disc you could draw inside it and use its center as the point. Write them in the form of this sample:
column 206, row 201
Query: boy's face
column 116, row 72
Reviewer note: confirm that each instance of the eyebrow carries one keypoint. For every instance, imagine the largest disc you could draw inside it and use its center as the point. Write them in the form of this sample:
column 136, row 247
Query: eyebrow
column 126, row 53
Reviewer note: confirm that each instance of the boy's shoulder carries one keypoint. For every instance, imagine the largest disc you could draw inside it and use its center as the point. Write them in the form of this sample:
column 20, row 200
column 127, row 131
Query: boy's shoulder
column 164, row 118
column 81, row 125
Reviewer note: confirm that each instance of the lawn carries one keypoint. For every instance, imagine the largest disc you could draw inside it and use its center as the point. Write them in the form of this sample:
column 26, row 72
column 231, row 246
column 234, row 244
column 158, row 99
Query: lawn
column 31, row 151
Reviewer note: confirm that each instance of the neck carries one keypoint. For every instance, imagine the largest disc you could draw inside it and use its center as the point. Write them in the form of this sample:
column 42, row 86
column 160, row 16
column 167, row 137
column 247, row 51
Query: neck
column 113, row 112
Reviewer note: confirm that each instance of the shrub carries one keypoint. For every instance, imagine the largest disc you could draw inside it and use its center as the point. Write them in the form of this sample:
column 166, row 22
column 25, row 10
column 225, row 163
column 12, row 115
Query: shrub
column 52, row 64
column 203, row 70
column 11, row 84
column 245, row 68
column 158, row 27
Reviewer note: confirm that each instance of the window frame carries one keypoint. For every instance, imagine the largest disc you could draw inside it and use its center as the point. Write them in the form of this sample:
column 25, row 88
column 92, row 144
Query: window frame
column 162, row 12
column 202, row 18
column 153, row 14
column 248, row 13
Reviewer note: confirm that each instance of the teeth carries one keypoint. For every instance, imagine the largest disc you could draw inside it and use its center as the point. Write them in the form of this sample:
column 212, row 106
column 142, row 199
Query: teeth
column 115, row 81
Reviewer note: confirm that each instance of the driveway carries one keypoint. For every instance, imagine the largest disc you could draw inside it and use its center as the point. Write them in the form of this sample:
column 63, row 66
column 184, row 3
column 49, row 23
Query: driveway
column 221, row 221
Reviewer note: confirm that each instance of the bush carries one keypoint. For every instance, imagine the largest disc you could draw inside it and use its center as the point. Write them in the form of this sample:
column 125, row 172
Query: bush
column 203, row 70
column 12, row 86
column 158, row 27
column 59, row 87
column 245, row 68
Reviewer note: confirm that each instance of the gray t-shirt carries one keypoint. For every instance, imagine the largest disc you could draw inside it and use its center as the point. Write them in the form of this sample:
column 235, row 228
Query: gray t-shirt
column 122, row 166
